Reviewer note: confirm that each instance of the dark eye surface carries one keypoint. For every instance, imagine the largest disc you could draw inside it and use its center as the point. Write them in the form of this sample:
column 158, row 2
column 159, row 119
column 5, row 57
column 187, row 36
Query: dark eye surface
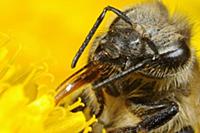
column 178, row 56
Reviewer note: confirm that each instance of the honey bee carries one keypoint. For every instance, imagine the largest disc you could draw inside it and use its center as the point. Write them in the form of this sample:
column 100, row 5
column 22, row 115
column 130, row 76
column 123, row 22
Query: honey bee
column 143, row 73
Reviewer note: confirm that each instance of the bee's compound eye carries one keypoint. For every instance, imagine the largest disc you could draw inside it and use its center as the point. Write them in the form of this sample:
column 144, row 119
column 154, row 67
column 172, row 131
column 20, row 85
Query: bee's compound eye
column 182, row 51
column 176, row 53
column 177, row 56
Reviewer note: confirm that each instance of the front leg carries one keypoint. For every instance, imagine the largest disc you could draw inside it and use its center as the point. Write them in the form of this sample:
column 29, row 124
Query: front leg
column 162, row 113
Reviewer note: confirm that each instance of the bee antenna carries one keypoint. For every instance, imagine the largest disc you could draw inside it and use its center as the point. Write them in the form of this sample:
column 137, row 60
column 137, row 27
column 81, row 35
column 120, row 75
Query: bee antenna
column 95, row 27
column 124, row 73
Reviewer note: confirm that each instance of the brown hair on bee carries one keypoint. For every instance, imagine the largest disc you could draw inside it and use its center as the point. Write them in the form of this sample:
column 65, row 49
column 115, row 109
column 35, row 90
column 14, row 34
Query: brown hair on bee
column 143, row 71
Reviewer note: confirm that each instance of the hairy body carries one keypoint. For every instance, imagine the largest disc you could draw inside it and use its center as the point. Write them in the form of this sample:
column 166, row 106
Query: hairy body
column 142, row 94
column 144, row 73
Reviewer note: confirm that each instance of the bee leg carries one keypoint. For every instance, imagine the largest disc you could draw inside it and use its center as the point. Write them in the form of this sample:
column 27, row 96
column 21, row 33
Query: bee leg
column 187, row 129
column 151, row 121
column 158, row 119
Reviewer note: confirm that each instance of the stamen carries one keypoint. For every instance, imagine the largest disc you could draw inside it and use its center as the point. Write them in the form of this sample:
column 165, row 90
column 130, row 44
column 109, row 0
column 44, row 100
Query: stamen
column 88, row 123
column 75, row 105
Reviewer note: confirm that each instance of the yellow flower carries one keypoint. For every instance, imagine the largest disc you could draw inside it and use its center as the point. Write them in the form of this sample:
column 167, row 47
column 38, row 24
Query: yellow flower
column 27, row 105
column 49, row 32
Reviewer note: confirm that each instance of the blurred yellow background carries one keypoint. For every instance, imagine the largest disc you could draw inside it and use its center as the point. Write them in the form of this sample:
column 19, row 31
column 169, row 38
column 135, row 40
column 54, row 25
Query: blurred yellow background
column 53, row 30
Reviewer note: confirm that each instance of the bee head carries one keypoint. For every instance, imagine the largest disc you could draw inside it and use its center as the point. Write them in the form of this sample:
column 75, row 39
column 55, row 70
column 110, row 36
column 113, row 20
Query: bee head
column 121, row 46
column 136, row 42
column 126, row 47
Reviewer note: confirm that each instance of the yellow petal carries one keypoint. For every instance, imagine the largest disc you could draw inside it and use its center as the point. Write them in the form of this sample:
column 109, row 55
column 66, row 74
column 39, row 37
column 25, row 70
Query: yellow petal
column 12, row 102
column 31, row 119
